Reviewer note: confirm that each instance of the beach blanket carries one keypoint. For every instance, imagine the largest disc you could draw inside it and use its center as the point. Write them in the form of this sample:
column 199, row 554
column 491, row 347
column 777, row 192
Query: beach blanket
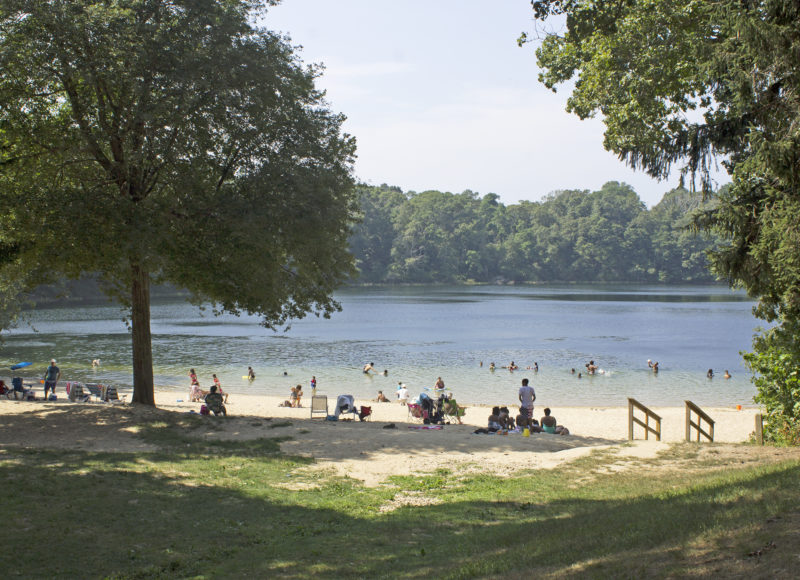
column 426, row 427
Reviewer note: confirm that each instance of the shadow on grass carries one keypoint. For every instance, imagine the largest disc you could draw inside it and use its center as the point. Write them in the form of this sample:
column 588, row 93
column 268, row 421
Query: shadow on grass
column 231, row 510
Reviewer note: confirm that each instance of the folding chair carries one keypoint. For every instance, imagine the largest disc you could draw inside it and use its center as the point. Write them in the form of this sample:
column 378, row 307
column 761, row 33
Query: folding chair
column 365, row 413
column 345, row 404
column 76, row 393
column 415, row 412
column 319, row 404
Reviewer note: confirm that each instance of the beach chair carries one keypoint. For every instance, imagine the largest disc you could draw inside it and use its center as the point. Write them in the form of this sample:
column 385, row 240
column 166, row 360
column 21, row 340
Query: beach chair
column 76, row 393
column 453, row 410
column 111, row 395
column 345, row 405
column 416, row 413
column 364, row 413
column 319, row 404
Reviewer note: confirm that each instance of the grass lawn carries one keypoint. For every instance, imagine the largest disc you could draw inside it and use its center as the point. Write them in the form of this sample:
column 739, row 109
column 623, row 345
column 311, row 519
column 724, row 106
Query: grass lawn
column 236, row 509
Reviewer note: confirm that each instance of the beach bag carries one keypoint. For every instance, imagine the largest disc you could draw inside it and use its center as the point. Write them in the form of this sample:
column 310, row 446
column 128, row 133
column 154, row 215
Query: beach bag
column 52, row 397
column 204, row 410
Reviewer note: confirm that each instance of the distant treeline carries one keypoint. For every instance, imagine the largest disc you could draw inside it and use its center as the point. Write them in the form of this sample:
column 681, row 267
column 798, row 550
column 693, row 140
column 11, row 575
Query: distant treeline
column 571, row 236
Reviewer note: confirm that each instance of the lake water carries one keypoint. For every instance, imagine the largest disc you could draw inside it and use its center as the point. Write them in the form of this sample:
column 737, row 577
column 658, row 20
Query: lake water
column 421, row 333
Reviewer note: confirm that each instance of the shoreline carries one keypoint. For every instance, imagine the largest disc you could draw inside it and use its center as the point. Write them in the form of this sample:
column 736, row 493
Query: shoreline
column 606, row 422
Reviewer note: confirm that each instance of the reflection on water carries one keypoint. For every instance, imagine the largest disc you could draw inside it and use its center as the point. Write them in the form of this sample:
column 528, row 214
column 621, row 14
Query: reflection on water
column 420, row 333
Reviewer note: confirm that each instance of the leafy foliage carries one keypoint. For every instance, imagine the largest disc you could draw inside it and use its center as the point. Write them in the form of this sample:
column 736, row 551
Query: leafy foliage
column 777, row 377
column 175, row 141
column 688, row 84
column 576, row 236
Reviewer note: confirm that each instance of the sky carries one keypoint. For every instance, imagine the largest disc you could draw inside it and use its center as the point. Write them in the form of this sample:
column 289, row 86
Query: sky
column 439, row 96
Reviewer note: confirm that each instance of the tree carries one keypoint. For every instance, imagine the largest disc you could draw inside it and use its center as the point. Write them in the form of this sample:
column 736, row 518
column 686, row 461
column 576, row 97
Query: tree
column 689, row 83
column 151, row 141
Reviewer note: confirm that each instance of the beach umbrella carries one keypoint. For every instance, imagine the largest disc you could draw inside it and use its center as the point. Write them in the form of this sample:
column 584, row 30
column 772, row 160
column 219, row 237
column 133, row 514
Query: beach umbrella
column 20, row 365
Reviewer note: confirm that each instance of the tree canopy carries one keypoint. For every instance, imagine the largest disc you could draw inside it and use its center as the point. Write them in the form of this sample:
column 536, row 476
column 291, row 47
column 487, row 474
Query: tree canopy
column 176, row 142
column 570, row 236
column 689, row 84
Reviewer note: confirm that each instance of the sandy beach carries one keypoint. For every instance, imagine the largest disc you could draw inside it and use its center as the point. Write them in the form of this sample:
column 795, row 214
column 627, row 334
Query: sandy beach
column 367, row 451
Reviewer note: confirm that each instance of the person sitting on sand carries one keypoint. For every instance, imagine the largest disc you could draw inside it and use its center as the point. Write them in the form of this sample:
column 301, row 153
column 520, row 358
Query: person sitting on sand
column 506, row 421
column 219, row 388
column 550, row 425
column 402, row 394
column 213, row 402
column 381, row 398
column 494, row 420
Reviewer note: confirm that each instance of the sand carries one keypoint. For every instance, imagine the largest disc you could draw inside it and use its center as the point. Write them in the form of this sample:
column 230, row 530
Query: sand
column 366, row 451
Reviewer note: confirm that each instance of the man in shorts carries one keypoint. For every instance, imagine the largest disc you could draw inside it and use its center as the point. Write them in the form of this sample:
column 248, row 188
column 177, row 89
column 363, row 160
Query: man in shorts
column 51, row 376
column 526, row 398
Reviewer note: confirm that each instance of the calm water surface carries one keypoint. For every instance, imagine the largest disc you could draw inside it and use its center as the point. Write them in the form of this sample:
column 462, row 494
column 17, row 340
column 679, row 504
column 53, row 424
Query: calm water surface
column 419, row 333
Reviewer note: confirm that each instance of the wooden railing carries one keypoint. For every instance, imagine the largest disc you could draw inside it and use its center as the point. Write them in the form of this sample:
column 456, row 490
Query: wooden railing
column 759, row 428
column 634, row 404
column 701, row 416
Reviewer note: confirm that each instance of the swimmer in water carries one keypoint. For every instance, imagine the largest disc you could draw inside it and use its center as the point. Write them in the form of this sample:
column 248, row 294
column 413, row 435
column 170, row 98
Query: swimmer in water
column 727, row 375
column 369, row 367
column 710, row 373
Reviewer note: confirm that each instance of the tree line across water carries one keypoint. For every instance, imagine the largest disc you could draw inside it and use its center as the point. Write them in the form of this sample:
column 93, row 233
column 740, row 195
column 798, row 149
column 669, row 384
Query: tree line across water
column 608, row 235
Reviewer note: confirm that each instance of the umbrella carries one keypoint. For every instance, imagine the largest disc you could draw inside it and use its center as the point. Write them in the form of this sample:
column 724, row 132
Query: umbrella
column 20, row 365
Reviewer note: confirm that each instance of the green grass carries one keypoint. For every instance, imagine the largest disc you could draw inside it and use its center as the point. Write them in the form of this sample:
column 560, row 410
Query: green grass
column 235, row 509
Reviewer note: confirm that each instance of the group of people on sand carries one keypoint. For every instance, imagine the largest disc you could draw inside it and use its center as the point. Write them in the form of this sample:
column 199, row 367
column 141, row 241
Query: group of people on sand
column 500, row 420
column 215, row 398
column 295, row 396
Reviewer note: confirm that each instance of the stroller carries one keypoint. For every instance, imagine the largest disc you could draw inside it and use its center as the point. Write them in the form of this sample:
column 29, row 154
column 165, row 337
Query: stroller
column 432, row 410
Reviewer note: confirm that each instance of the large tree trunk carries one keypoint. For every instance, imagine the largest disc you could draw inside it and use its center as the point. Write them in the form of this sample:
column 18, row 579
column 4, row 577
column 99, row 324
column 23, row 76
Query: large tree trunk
column 143, row 391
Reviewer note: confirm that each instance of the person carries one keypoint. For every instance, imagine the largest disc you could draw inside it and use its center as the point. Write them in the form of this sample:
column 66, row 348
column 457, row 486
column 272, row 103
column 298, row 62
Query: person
column 655, row 367
column 591, row 368
column 439, row 384
column 536, row 367
column 251, row 374
column 369, row 367
column 402, row 394
column 381, row 398
column 491, row 366
column 219, row 388
column 51, row 376
column 298, row 395
column 727, row 375
column 452, row 408
column 506, row 421
column 213, row 402
column 550, row 425
column 385, row 372
column 526, row 398
column 95, row 363
column 196, row 394
column 710, row 373
column 313, row 386
column 494, row 420
column 512, row 366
